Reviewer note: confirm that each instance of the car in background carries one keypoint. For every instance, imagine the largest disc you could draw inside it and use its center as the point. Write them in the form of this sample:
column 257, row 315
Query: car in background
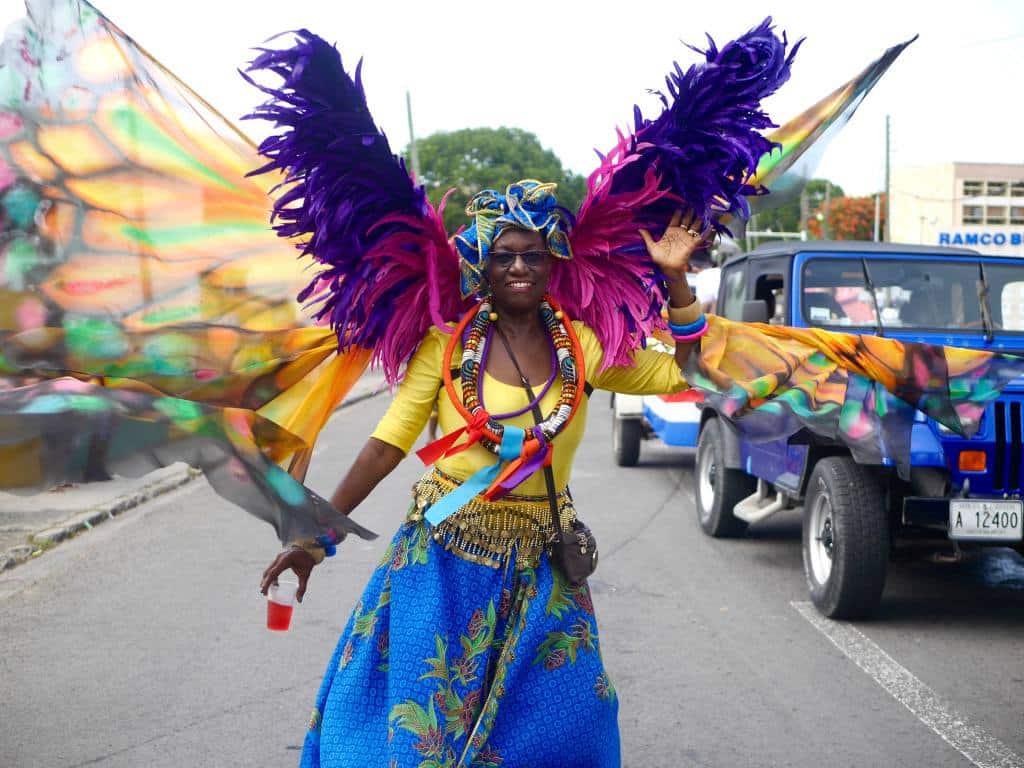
column 962, row 493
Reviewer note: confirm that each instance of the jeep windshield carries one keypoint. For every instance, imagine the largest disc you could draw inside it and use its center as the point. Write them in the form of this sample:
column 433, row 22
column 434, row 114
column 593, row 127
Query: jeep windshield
column 918, row 294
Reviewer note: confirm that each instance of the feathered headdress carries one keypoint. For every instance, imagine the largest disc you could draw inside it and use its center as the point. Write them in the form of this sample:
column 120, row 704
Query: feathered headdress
column 388, row 270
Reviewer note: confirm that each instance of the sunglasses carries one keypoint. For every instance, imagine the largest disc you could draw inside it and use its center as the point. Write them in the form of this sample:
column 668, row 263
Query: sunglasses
column 532, row 259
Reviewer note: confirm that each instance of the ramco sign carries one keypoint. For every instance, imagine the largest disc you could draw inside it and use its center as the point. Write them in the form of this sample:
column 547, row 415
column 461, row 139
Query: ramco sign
column 998, row 239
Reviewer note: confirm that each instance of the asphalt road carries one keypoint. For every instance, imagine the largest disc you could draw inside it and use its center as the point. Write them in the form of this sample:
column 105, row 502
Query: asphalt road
column 142, row 642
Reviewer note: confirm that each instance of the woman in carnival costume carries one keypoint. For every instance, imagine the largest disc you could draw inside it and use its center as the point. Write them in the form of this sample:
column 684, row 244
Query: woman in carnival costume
column 475, row 641
column 466, row 625
column 469, row 646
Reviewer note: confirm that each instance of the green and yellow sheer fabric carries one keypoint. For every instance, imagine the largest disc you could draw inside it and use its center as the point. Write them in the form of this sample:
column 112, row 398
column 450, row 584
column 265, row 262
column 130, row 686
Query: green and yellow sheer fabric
column 147, row 310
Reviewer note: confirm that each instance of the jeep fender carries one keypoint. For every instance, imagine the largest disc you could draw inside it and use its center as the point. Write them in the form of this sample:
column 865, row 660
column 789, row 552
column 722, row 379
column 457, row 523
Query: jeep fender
column 730, row 439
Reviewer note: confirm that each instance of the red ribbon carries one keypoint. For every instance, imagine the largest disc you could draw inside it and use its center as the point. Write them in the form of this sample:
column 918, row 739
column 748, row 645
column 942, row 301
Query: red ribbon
column 445, row 446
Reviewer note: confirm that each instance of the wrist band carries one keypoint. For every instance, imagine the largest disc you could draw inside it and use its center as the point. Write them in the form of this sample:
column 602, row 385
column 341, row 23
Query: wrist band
column 327, row 542
column 688, row 337
column 682, row 330
column 311, row 547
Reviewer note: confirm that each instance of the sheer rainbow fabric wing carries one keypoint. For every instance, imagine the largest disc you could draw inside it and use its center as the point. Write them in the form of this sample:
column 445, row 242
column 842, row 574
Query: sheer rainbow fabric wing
column 147, row 311
column 801, row 141
column 864, row 391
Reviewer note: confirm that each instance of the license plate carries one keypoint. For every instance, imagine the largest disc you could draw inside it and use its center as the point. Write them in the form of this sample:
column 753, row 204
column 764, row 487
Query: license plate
column 982, row 519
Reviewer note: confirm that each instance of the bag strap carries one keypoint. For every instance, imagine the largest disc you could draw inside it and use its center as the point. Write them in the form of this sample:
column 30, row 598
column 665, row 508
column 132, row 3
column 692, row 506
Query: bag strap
column 549, row 476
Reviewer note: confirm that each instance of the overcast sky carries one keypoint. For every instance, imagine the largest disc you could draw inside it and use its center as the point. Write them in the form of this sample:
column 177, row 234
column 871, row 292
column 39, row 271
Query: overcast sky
column 572, row 72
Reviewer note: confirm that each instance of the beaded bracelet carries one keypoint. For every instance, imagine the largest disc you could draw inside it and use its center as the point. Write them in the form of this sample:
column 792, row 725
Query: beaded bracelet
column 683, row 330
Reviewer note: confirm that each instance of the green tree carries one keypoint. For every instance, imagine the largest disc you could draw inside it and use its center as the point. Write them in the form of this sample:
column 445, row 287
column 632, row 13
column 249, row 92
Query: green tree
column 786, row 218
column 472, row 159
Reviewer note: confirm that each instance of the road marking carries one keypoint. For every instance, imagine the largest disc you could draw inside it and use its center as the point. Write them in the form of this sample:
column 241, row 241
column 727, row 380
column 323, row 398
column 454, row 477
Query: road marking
column 970, row 740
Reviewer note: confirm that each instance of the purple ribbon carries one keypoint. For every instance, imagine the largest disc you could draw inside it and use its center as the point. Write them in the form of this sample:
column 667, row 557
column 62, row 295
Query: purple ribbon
column 532, row 403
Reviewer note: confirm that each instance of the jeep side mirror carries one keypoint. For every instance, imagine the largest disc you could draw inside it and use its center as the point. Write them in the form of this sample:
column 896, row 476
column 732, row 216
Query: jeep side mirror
column 755, row 311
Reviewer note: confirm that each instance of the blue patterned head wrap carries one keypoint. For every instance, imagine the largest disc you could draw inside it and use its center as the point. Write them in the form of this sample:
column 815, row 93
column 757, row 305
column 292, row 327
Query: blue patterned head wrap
column 527, row 204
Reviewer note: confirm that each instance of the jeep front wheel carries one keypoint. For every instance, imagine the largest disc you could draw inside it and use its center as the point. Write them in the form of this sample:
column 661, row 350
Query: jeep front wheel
column 719, row 488
column 845, row 538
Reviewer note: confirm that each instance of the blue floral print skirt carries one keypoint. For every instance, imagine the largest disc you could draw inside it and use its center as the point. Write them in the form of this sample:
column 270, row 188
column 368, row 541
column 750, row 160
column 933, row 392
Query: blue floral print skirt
column 447, row 662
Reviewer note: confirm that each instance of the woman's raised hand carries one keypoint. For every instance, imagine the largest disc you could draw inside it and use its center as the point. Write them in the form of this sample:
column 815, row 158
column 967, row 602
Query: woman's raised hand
column 681, row 239
column 296, row 559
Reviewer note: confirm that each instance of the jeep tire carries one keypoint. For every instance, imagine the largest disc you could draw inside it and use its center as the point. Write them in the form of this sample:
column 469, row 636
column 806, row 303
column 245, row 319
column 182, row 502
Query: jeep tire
column 845, row 538
column 717, row 488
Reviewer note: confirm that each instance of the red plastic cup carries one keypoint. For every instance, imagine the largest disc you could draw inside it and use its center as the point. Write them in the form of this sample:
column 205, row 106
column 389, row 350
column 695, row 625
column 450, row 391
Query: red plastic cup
column 280, row 603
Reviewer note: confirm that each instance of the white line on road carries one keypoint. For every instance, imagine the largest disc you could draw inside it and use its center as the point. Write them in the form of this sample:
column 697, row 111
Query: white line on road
column 973, row 742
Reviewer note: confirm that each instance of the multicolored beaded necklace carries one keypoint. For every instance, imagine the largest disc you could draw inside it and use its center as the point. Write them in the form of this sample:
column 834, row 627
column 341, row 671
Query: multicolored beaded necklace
column 474, row 363
column 524, row 451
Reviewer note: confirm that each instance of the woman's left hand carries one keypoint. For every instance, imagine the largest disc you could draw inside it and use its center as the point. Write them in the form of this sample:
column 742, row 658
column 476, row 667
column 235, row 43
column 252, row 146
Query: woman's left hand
column 681, row 239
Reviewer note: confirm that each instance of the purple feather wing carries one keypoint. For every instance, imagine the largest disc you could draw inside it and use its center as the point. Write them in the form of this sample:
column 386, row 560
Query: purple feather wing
column 388, row 271
column 699, row 151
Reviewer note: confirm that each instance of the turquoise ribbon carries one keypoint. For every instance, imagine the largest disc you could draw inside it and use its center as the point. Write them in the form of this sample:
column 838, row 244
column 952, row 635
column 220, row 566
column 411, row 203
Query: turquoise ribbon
column 511, row 447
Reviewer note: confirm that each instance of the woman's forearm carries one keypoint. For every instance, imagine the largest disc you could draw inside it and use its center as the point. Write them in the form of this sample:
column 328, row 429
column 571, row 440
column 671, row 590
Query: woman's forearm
column 375, row 462
column 679, row 296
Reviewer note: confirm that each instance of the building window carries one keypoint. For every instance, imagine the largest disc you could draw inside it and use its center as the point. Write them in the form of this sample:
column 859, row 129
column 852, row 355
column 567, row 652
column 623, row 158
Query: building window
column 1017, row 214
column 971, row 214
column 996, row 189
column 995, row 214
column 1017, row 189
column 973, row 188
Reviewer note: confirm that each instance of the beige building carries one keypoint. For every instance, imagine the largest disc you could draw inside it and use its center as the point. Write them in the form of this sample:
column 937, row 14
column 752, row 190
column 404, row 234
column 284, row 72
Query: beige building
column 975, row 205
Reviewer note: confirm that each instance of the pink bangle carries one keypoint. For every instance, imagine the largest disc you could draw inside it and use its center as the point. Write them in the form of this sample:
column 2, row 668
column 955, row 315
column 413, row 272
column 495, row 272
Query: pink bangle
column 691, row 336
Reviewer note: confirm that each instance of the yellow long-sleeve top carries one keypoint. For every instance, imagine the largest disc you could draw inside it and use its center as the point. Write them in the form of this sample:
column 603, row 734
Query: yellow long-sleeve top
column 653, row 373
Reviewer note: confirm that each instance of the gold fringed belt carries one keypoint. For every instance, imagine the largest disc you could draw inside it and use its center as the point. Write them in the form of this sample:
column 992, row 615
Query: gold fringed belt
column 488, row 532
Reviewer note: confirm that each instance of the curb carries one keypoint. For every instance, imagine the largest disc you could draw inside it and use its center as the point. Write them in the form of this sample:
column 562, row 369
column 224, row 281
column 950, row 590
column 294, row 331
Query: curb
column 84, row 521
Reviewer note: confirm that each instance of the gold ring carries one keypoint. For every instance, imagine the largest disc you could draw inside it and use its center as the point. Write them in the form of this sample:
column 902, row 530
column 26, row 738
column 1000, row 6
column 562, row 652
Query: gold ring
column 692, row 233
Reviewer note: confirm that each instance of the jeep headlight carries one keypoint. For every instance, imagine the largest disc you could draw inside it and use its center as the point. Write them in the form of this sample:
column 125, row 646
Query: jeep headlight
column 945, row 431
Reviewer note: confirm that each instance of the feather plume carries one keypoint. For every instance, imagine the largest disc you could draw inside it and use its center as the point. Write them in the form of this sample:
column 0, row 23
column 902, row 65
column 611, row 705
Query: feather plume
column 352, row 205
column 698, row 152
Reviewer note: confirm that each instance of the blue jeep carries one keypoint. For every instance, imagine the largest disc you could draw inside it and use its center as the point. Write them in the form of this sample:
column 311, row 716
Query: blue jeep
column 961, row 493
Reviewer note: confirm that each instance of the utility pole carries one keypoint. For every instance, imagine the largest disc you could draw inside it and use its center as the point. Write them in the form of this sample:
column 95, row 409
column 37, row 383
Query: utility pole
column 888, row 180
column 414, row 158
column 878, row 205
